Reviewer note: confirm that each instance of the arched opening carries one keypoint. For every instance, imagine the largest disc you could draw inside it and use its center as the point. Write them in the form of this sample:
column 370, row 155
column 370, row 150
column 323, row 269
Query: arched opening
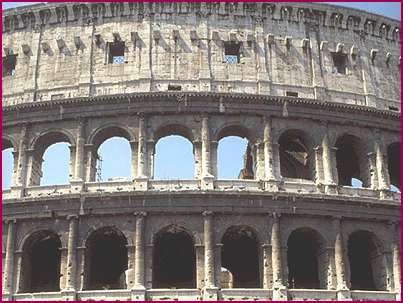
column 236, row 154
column 56, row 155
column 174, row 158
column 351, row 166
column 106, row 259
column 240, row 256
column 114, row 159
column 234, row 160
column 111, row 156
column 52, row 150
column 367, row 271
column 295, row 156
column 40, row 270
column 174, row 259
column 306, row 258
column 7, row 160
column 394, row 165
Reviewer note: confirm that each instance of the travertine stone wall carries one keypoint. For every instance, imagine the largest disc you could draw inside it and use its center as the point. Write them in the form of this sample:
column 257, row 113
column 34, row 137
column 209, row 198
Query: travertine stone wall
column 62, row 51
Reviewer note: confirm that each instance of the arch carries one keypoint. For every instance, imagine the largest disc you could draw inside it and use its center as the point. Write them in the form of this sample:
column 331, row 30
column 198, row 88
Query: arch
column 306, row 259
column 8, row 161
column 40, row 144
column 106, row 259
column 394, row 164
column 105, row 132
column 49, row 137
column 173, row 129
column 97, row 139
column 351, row 160
column 236, row 130
column 169, row 132
column 240, row 255
column 174, row 258
column 296, row 155
column 8, row 142
column 367, row 261
column 249, row 158
column 41, row 261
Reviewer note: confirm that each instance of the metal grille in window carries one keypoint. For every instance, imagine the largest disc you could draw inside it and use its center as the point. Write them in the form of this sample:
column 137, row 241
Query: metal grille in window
column 116, row 52
column 9, row 63
column 232, row 52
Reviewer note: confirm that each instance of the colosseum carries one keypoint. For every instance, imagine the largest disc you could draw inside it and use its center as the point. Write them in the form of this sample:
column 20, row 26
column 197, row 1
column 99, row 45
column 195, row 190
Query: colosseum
column 314, row 88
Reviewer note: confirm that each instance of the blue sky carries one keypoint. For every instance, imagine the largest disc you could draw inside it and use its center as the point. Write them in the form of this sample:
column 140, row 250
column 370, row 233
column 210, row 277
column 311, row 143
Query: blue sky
column 174, row 156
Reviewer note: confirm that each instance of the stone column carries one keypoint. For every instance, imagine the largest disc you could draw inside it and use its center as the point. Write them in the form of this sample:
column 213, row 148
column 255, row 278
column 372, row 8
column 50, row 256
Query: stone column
column 267, row 253
column 205, row 134
column 268, row 150
column 328, row 169
column 90, row 162
column 139, row 281
column 72, row 254
column 22, row 157
column 9, row 260
column 208, row 249
column 381, row 169
column 331, row 283
column 218, row 264
column 260, row 163
column 142, row 148
column 197, row 152
column 373, row 178
column 81, row 275
column 395, row 248
column 279, row 289
column 210, row 289
column 79, row 163
column 208, row 178
column 213, row 158
column 343, row 292
column 134, row 160
column 19, row 283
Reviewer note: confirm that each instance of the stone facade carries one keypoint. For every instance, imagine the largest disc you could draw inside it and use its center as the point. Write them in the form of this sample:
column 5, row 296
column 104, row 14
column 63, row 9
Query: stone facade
column 316, row 91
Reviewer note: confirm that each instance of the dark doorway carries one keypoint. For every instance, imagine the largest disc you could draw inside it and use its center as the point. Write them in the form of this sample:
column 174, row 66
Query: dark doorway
column 174, row 261
column 394, row 164
column 365, row 261
column 41, row 263
column 303, row 248
column 348, row 163
column 106, row 259
column 240, row 256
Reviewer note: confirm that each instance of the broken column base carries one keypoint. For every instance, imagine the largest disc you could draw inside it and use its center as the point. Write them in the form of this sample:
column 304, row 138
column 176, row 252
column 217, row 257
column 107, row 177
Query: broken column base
column 207, row 183
column 69, row 295
column 77, row 185
column 17, row 192
column 5, row 296
column 280, row 293
column 138, row 293
column 210, row 294
column 141, row 183
column 385, row 194
column 271, row 185
column 331, row 189
column 344, row 295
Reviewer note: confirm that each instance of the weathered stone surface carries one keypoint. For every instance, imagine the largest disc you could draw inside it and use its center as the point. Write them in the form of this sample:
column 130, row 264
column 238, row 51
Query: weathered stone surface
column 284, row 92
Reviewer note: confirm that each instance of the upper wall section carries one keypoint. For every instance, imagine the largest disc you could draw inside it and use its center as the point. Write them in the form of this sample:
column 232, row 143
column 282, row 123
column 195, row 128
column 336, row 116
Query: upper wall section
column 329, row 53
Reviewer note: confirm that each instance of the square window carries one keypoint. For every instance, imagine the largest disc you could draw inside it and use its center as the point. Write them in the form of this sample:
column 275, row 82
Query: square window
column 232, row 52
column 9, row 63
column 291, row 94
column 116, row 52
column 339, row 63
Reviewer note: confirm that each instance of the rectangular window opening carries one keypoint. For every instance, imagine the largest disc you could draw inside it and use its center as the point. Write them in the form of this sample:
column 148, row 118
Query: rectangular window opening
column 174, row 87
column 393, row 108
column 291, row 94
column 9, row 63
column 232, row 52
column 116, row 52
column 339, row 63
